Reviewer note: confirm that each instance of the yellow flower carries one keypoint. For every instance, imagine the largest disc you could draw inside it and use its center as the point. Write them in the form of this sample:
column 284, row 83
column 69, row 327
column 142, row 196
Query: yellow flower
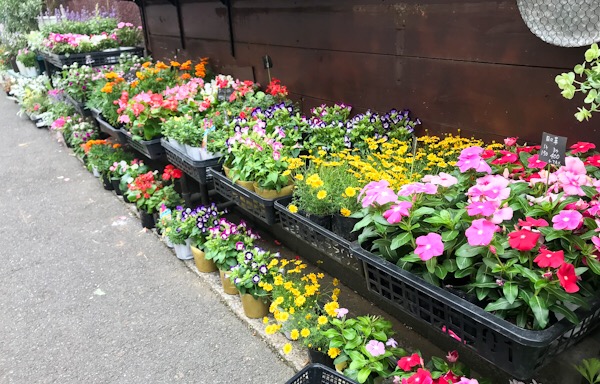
column 299, row 301
column 350, row 192
column 305, row 332
column 322, row 320
column 333, row 352
column 286, row 172
column 345, row 212
column 287, row 348
column 267, row 287
column 292, row 208
column 331, row 307
column 271, row 329
column 308, row 316
column 336, row 291
column 322, row 194
column 335, row 282
column 299, row 177
column 320, row 275
column 292, row 310
column 278, row 300
column 287, row 285
column 283, row 317
column 294, row 334
column 265, row 320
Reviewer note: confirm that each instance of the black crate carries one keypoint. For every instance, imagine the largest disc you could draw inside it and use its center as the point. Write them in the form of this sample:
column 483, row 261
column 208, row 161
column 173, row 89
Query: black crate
column 93, row 59
column 113, row 132
column 517, row 351
column 196, row 169
column 152, row 149
column 250, row 202
column 79, row 107
column 319, row 374
column 95, row 113
column 320, row 238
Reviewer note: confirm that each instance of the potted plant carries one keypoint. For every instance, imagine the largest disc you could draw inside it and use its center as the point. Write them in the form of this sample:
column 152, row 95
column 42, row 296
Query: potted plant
column 206, row 217
column 100, row 159
column 223, row 244
column 178, row 228
column 253, row 276
column 27, row 62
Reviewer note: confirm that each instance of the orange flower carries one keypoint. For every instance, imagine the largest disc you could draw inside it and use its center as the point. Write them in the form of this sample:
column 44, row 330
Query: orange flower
column 175, row 64
column 134, row 84
column 161, row 65
column 111, row 75
column 117, row 145
column 140, row 75
column 159, row 79
column 186, row 66
column 108, row 88
column 146, row 64
column 185, row 76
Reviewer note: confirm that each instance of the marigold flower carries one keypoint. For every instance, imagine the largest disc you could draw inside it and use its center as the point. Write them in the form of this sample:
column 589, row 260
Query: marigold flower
column 333, row 352
column 287, row 348
column 292, row 208
column 321, row 194
column 322, row 320
column 305, row 332
column 294, row 334
column 345, row 212
column 350, row 191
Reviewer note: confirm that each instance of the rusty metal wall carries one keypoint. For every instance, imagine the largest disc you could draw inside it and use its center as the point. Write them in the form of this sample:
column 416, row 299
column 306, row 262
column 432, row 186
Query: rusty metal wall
column 469, row 65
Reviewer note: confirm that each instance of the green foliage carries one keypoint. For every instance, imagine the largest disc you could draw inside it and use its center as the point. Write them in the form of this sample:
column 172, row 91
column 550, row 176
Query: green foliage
column 590, row 370
column 20, row 15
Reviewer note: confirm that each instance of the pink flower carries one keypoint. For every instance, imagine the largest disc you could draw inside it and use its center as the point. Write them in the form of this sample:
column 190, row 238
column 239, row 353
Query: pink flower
column 341, row 312
column 377, row 192
column 452, row 356
column 480, row 232
column 124, row 119
column 408, row 362
column 510, row 141
column 429, row 246
column 567, row 220
column 484, row 208
column 414, row 188
column 375, row 348
column 581, row 147
column 568, row 278
column 452, row 334
column 422, row 376
column 391, row 343
column 596, row 241
column 535, row 162
column 470, row 158
column 548, row 258
column 506, row 158
column 501, row 215
column 443, row 179
column 465, row 380
column 396, row 212
column 531, row 222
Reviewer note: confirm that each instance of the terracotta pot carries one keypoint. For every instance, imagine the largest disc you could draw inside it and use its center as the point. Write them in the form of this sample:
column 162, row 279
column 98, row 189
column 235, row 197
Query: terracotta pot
column 249, row 185
column 202, row 264
column 272, row 194
column 254, row 308
column 228, row 287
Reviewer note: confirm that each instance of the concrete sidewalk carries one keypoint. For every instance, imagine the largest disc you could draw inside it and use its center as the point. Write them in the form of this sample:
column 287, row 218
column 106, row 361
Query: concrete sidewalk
column 87, row 297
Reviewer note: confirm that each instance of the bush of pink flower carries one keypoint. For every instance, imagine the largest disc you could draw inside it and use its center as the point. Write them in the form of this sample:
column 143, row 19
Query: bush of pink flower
column 519, row 236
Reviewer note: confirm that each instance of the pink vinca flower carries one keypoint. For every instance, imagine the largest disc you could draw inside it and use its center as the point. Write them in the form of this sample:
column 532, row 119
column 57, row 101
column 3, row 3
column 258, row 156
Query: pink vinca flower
column 397, row 211
column 377, row 192
column 375, row 348
column 443, row 179
column 480, row 232
column 483, row 208
column 567, row 219
column 414, row 188
column 429, row 246
column 501, row 215
column 470, row 158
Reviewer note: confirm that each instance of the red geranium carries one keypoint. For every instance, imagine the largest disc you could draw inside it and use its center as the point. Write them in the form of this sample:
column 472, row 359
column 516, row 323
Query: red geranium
column 171, row 173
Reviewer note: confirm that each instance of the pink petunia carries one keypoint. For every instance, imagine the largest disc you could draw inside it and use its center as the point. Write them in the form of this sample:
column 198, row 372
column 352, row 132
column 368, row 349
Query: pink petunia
column 428, row 246
column 567, row 220
column 481, row 232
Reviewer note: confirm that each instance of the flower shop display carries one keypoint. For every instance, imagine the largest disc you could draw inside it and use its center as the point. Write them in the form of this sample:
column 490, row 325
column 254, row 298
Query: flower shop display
column 253, row 276
column 177, row 225
column 206, row 217
column 27, row 62
column 101, row 158
column 223, row 244
column 119, row 169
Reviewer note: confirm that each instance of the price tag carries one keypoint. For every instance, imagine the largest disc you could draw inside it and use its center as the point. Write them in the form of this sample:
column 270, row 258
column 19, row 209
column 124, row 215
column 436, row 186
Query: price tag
column 165, row 213
column 89, row 60
column 553, row 148
column 224, row 94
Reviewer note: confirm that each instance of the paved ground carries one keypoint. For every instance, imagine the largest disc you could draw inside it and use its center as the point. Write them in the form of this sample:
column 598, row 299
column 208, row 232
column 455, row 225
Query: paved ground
column 86, row 297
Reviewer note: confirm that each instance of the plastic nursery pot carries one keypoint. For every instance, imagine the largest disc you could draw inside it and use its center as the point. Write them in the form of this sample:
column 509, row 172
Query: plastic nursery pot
column 272, row 194
column 249, row 185
column 116, row 184
column 254, row 308
column 228, row 287
column 106, row 183
column 183, row 251
column 323, row 221
column 318, row 357
column 203, row 265
column 147, row 220
column 342, row 226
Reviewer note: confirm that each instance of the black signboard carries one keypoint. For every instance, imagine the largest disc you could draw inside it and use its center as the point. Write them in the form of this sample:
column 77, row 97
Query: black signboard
column 553, row 148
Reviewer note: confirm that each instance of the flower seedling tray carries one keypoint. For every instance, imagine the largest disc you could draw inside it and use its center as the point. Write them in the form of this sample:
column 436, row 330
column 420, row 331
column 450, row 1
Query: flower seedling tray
column 113, row 132
column 196, row 169
column 79, row 107
column 152, row 149
column 319, row 374
column 95, row 112
column 318, row 237
column 517, row 351
column 250, row 202
column 93, row 59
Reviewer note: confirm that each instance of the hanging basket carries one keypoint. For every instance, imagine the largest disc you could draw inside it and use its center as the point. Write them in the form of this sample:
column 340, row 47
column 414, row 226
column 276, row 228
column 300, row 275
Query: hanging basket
column 566, row 23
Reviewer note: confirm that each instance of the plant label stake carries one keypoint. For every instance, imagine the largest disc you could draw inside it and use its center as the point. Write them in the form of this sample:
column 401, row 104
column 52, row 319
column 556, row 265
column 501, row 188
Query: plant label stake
column 553, row 148
column 268, row 65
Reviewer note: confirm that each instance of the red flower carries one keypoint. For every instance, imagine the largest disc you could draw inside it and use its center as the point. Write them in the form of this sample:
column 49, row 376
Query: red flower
column 528, row 149
column 548, row 258
column 421, row 377
column 507, row 157
column 450, row 377
column 488, row 153
column 276, row 89
column 582, row 147
column 171, row 173
column 408, row 362
column 568, row 278
column 452, row 356
column 593, row 160
column 531, row 222
column 510, row 141
column 523, row 240
column 535, row 162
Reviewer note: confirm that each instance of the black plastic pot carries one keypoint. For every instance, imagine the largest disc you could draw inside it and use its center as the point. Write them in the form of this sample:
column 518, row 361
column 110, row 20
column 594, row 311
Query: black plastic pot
column 318, row 357
column 116, row 184
column 147, row 220
column 342, row 226
column 320, row 220
column 106, row 183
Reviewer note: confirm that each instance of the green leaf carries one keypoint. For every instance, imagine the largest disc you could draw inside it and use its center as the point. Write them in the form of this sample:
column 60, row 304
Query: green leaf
column 400, row 240
column 430, row 264
column 510, row 290
column 450, row 265
column 502, row 304
column 532, row 276
column 463, row 262
column 440, row 272
column 449, row 235
column 578, row 69
column 422, row 211
column 465, row 272
column 566, row 312
column 594, row 264
column 363, row 374
column 482, row 293
column 466, row 250
column 349, row 333
column 592, row 53
column 540, row 310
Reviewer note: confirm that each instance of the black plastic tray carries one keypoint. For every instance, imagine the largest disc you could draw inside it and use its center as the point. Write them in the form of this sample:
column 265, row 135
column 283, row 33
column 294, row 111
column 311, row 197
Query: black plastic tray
column 115, row 133
column 318, row 237
column 319, row 374
column 516, row 350
column 196, row 169
column 250, row 202
column 152, row 149
column 79, row 107
column 93, row 59
column 95, row 112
